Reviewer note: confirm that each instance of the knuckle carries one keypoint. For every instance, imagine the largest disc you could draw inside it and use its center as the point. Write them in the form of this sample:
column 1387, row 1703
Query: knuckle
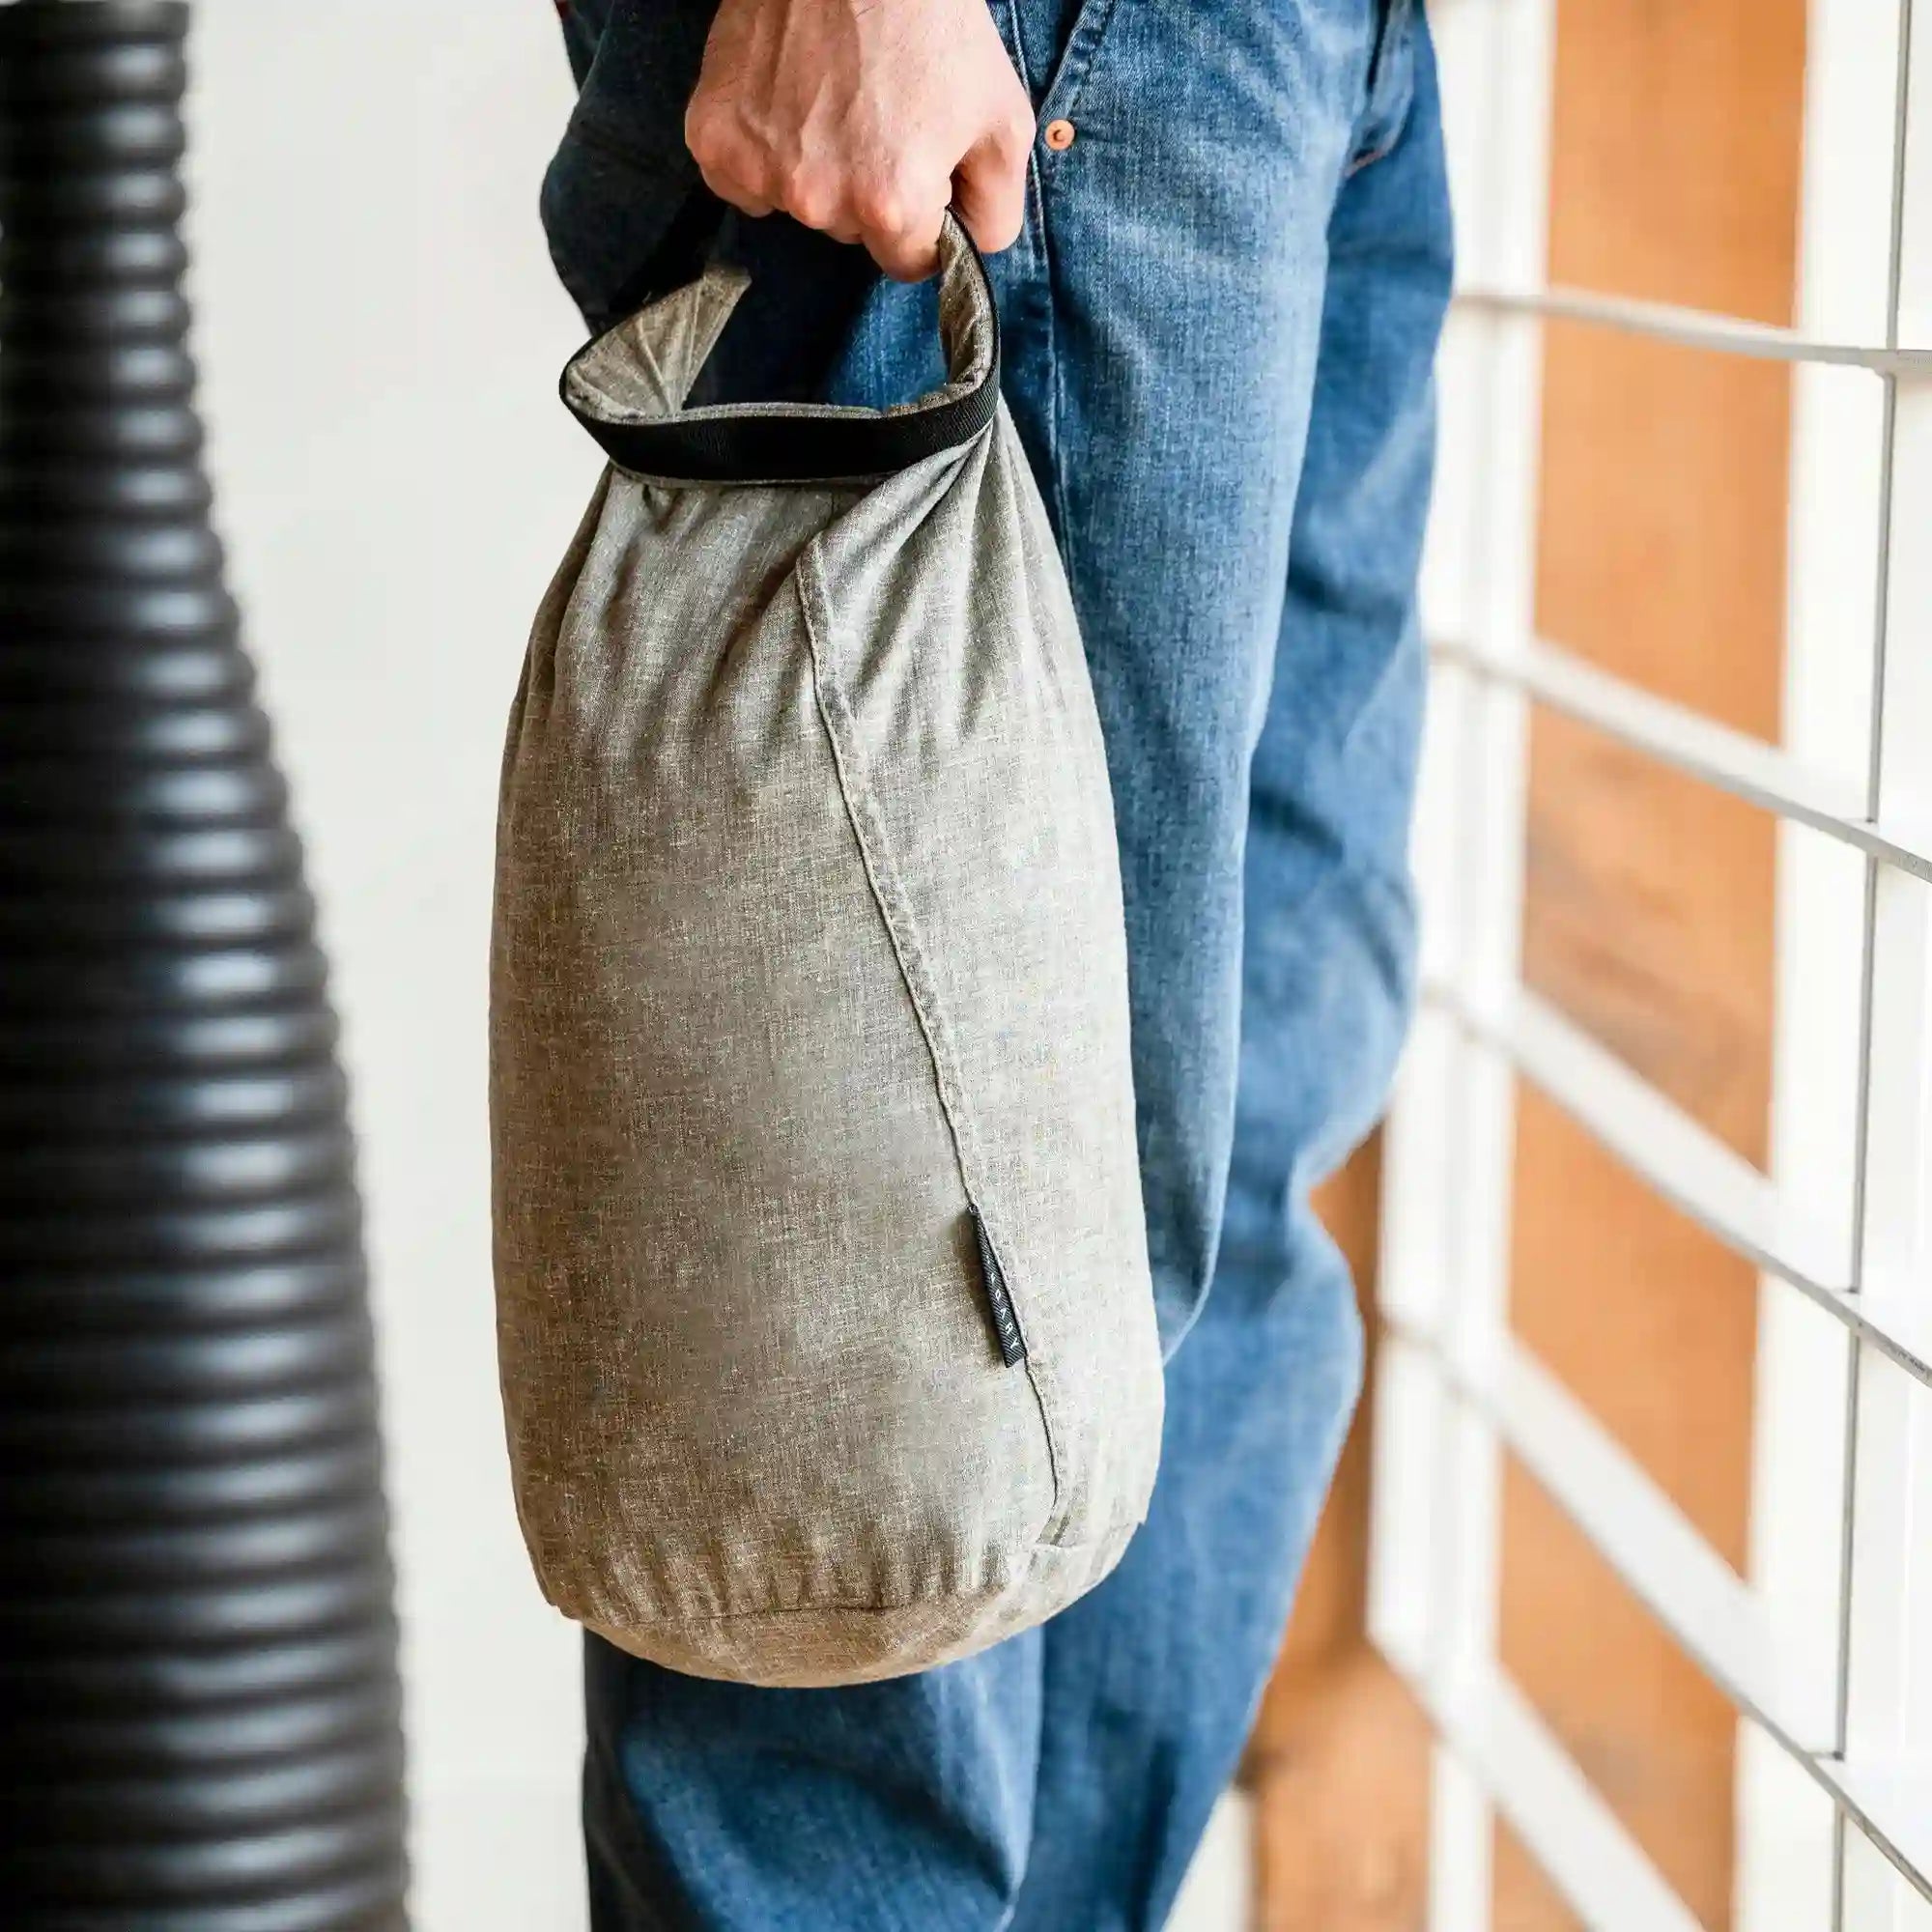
column 881, row 209
column 705, row 129
column 718, row 144
column 725, row 187
column 808, row 197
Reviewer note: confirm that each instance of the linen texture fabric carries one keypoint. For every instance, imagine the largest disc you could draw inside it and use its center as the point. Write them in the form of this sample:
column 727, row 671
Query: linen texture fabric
column 825, row 1323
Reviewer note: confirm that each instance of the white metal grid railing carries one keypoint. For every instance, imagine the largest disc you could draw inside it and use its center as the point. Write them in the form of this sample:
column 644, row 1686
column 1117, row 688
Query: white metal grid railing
column 1825, row 1650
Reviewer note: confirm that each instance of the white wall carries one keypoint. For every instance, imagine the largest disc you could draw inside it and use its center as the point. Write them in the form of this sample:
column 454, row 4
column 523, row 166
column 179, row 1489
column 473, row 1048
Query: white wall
column 380, row 331
column 380, row 334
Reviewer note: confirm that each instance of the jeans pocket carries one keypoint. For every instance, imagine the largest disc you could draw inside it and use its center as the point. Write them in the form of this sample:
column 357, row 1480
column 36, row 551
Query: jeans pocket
column 1391, row 83
column 1065, row 38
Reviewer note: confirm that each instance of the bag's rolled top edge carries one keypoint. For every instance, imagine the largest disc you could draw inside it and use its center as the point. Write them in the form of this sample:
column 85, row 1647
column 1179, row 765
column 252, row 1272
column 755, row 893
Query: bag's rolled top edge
column 783, row 443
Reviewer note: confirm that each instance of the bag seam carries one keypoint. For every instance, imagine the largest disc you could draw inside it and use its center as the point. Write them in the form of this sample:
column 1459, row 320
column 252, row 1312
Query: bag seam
column 1086, row 1550
column 901, row 930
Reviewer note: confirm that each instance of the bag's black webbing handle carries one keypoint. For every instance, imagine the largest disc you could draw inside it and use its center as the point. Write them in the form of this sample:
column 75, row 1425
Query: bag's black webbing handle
column 752, row 445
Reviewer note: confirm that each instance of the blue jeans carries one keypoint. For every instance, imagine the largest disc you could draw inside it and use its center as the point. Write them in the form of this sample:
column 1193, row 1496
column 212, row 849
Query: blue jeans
column 1219, row 324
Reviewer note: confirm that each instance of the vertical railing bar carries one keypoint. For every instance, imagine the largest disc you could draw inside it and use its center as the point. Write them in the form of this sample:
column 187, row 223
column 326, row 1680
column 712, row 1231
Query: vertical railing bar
column 1455, row 1817
column 1486, row 931
column 1868, row 938
column 1841, row 1687
column 1461, row 1812
column 1881, row 628
column 1427, row 1170
column 1901, row 121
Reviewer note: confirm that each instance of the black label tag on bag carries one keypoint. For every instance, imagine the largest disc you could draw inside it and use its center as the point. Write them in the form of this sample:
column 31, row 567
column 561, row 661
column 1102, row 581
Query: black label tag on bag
column 999, row 1297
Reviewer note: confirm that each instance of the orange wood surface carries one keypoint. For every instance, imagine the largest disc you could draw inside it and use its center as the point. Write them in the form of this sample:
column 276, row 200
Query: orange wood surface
column 1340, row 1755
column 1649, row 899
column 1525, row 1901
column 1338, row 1764
column 1648, row 919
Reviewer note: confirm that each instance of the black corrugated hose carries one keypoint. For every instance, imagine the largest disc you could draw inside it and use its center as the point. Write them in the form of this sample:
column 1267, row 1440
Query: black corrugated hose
column 199, row 1723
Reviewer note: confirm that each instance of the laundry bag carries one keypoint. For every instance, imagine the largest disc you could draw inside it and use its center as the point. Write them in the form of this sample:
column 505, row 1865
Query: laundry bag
column 827, row 1339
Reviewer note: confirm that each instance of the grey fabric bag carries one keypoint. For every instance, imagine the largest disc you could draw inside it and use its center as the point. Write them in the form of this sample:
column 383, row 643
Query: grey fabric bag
column 827, row 1339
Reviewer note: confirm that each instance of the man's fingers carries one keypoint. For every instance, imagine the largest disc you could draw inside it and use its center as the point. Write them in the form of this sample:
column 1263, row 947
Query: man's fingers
column 730, row 186
column 989, row 185
column 903, row 257
column 900, row 231
column 894, row 211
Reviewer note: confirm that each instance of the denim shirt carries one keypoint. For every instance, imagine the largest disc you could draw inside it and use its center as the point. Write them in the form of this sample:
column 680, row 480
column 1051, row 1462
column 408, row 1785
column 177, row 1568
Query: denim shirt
column 622, row 175
column 628, row 215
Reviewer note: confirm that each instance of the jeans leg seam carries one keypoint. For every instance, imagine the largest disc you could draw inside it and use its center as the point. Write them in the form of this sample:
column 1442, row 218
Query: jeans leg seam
column 1055, row 377
column 1056, row 398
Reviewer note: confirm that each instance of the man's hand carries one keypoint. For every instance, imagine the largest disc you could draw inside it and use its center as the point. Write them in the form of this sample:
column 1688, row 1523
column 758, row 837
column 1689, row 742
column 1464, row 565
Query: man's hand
column 865, row 118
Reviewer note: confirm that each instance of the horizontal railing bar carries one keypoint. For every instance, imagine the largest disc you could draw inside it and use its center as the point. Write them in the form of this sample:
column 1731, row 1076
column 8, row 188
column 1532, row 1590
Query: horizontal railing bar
column 1680, row 1579
column 1687, row 1165
column 1702, row 748
column 1643, row 1536
column 1582, row 1846
column 1892, row 1807
column 1905, row 1341
column 1692, row 328
column 1675, row 1156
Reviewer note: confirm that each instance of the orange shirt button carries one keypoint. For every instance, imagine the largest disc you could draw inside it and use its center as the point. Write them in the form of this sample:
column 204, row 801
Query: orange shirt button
column 1060, row 135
